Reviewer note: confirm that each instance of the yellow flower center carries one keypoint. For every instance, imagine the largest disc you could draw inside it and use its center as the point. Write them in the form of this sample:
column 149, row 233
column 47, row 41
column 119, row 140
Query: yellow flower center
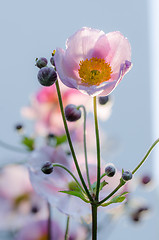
column 94, row 71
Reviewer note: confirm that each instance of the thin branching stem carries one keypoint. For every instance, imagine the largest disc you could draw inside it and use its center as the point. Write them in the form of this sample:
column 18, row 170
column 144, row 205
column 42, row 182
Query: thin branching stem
column 70, row 142
column 85, row 145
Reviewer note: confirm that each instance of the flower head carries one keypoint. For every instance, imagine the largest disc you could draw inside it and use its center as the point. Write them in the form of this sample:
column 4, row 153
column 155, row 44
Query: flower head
column 94, row 62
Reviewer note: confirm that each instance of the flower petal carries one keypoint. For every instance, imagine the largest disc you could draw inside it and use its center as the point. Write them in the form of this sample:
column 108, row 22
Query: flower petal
column 79, row 47
column 120, row 50
column 101, row 48
column 63, row 74
column 104, row 89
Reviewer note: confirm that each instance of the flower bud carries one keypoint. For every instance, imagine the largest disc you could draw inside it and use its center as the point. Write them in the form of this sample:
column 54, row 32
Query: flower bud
column 146, row 179
column 19, row 127
column 47, row 76
column 72, row 113
column 127, row 175
column 47, row 168
column 110, row 170
column 34, row 209
column 52, row 61
column 41, row 62
column 103, row 100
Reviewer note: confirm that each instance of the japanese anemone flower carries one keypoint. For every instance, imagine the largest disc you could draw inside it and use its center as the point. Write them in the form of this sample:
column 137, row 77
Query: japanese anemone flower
column 93, row 62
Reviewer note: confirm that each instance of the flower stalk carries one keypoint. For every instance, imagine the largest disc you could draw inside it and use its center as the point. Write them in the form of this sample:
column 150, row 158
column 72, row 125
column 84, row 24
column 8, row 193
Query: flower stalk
column 49, row 222
column 94, row 222
column 67, row 228
column 85, row 145
column 66, row 169
column 98, row 147
column 70, row 142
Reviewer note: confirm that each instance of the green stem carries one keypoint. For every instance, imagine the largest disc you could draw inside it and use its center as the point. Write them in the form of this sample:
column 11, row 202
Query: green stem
column 122, row 182
column 70, row 142
column 98, row 147
column 85, row 145
column 103, row 175
column 66, row 169
column 12, row 148
column 94, row 222
column 67, row 228
column 145, row 157
column 112, row 193
column 49, row 222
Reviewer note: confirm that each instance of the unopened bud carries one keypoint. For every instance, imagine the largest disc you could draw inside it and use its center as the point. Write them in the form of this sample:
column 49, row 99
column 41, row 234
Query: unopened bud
column 72, row 113
column 110, row 170
column 47, row 168
column 127, row 175
column 19, row 127
column 103, row 100
column 146, row 179
column 52, row 61
column 47, row 76
column 41, row 62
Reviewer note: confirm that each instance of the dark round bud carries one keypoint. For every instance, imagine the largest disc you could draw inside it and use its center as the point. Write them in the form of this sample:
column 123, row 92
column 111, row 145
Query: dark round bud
column 110, row 171
column 103, row 100
column 72, row 113
column 47, row 168
column 51, row 139
column 145, row 180
column 34, row 209
column 68, row 152
column 52, row 61
column 127, row 175
column 47, row 76
column 50, row 135
column 19, row 127
column 41, row 62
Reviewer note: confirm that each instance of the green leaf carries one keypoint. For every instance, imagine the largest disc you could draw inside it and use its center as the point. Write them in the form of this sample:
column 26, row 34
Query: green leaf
column 60, row 139
column 102, row 184
column 28, row 142
column 124, row 193
column 116, row 199
column 77, row 194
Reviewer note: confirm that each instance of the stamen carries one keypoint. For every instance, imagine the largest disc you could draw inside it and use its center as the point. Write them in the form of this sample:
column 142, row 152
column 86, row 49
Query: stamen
column 94, row 71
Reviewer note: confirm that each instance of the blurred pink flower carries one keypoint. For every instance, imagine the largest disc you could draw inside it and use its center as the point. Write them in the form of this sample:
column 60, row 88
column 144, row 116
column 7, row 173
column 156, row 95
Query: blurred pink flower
column 94, row 62
column 39, row 231
column 45, row 110
column 49, row 185
column 18, row 202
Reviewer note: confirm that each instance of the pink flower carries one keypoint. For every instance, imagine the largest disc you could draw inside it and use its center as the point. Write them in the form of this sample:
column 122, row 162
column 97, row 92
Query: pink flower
column 94, row 62
column 45, row 110
column 48, row 186
column 39, row 230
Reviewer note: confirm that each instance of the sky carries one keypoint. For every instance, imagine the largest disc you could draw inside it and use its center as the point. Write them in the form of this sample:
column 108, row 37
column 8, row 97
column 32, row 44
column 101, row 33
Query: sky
column 31, row 29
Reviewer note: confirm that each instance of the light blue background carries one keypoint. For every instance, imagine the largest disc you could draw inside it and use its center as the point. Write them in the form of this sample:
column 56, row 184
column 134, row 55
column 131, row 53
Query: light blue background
column 31, row 29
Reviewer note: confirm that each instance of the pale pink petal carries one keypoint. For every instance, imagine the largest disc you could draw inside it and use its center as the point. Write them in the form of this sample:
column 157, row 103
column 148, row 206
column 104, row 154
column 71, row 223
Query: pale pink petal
column 101, row 48
column 120, row 50
column 69, row 82
column 82, row 42
column 104, row 89
column 79, row 47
